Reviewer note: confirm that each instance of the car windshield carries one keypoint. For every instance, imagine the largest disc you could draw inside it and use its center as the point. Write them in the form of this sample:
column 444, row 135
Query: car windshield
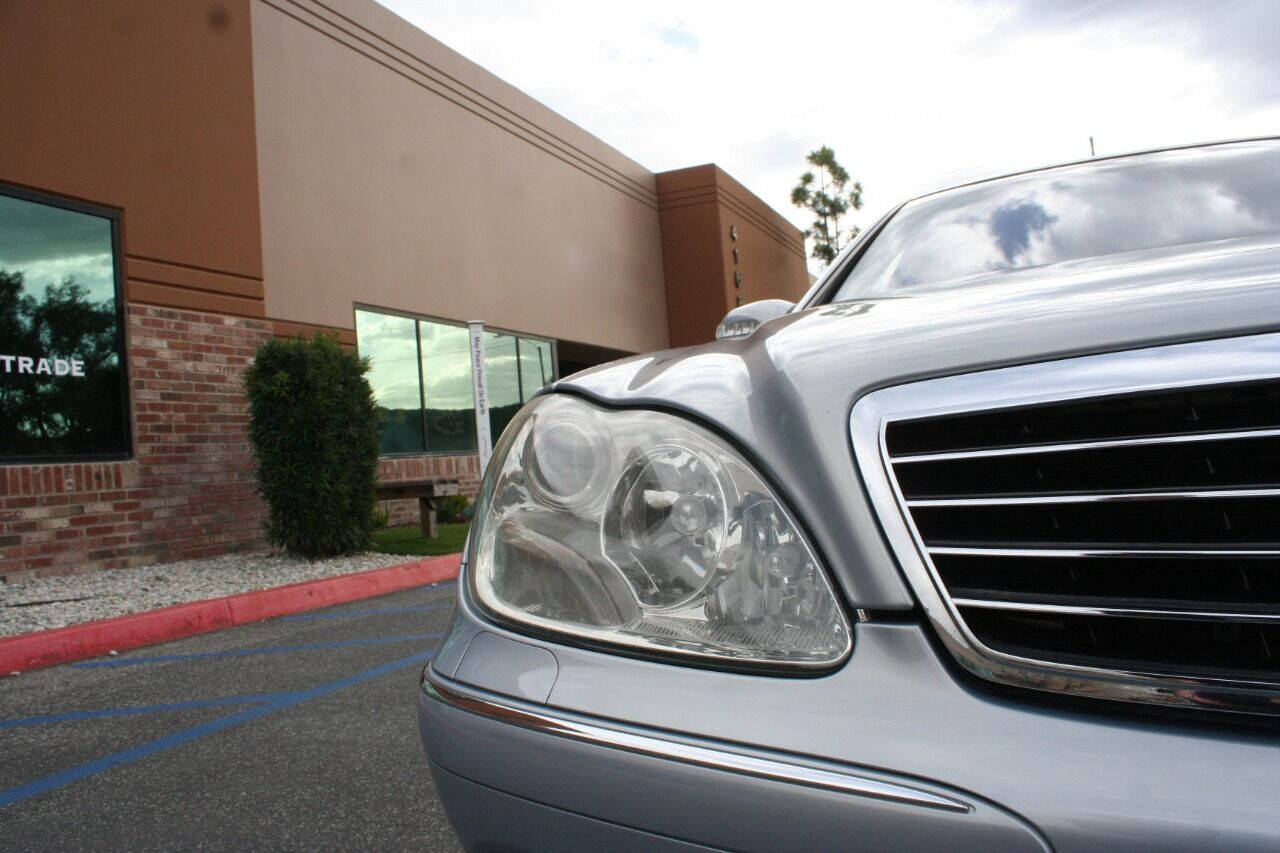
column 1072, row 213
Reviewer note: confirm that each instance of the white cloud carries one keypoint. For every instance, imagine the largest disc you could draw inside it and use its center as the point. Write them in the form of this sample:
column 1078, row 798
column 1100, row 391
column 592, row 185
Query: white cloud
column 95, row 273
column 911, row 95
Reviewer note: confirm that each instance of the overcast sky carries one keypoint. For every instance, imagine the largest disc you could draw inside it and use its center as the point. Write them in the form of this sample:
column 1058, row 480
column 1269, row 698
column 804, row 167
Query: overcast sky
column 49, row 244
column 910, row 94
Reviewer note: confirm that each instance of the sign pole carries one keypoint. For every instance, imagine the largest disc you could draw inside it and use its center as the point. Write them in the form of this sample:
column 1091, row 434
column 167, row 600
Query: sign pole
column 484, row 441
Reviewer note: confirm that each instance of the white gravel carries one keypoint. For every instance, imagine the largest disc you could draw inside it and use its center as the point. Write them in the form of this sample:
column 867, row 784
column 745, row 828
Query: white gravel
column 38, row 604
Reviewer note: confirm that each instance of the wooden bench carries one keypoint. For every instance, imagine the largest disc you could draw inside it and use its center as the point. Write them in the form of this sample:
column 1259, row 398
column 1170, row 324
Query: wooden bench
column 426, row 491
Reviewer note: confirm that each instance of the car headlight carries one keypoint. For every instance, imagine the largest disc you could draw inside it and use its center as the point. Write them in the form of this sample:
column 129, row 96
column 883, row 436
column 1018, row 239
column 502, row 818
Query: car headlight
column 640, row 529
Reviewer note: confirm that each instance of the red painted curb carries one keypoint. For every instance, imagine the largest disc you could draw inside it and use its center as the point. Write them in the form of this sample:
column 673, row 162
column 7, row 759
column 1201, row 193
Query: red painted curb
column 90, row 639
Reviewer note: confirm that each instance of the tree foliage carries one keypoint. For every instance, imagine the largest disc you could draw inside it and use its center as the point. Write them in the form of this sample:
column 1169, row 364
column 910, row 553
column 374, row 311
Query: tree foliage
column 314, row 434
column 826, row 191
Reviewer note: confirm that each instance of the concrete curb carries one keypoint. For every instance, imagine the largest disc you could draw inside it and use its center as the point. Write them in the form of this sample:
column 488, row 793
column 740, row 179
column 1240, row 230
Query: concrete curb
column 90, row 639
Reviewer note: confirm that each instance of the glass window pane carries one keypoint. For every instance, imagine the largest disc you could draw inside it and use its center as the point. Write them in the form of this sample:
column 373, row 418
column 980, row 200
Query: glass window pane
column 61, row 350
column 535, row 366
column 391, row 345
column 548, row 362
column 450, row 398
column 502, row 379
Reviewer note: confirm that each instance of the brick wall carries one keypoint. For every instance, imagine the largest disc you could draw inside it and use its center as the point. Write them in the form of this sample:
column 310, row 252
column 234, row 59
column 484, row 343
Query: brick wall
column 187, row 492
column 464, row 469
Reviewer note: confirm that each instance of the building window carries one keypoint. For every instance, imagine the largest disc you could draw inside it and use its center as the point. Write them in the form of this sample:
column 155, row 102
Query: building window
column 502, row 376
column 391, row 345
column 62, row 360
column 420, row 371
column 446, row 379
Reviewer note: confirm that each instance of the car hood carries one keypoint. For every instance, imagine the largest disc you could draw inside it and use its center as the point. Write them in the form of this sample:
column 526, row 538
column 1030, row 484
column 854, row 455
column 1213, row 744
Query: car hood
column 785, row 393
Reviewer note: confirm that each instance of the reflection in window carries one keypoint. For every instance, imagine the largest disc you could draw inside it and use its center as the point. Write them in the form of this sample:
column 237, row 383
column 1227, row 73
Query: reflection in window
column 391, row 345
column 502, row 375
column 535, row 366
column 446, row 375
column 61, row 345
column 1074, row 214
column 420, row 371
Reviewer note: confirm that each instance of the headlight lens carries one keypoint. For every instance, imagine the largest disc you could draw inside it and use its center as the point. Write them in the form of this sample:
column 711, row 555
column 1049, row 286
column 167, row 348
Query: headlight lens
column 641, row 529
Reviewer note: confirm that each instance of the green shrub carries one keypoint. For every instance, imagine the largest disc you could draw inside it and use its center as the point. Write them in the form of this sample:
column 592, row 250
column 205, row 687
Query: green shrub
column 315, row 443
column 451, row 509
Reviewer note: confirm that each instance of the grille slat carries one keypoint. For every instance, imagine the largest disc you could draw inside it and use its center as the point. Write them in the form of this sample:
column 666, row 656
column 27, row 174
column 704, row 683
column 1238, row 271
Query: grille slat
column 1199, row 650
column 1184, row 412
column 1213, row 464
column 1077, row 446
column 1190, row 582
column 1104, row 552
column 1136, row 532
column 1096, row 497
column 1252, row 522
column 1081, row 608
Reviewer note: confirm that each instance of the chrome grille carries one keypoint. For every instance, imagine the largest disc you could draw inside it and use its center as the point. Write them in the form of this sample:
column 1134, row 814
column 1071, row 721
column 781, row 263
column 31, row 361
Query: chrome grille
column 1116, row 544
column 1151, row 544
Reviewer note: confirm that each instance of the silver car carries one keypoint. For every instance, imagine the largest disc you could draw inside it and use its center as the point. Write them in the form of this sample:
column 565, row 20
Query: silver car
column 976, row 548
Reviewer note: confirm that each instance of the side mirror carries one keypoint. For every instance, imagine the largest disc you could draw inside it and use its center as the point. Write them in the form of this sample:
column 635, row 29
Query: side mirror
column 744, row 319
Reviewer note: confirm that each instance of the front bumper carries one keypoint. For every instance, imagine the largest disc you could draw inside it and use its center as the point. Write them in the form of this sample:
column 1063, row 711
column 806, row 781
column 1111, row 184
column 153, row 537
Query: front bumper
column 569, row 783
column 893, row 750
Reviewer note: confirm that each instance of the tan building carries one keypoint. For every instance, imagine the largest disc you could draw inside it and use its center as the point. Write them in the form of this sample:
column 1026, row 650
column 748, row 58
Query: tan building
column 208, row 174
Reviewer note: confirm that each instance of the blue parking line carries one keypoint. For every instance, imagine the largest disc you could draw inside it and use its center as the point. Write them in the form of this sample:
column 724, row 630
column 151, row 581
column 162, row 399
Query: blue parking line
column 354, row 614
column 266, row 650
column 92, row 768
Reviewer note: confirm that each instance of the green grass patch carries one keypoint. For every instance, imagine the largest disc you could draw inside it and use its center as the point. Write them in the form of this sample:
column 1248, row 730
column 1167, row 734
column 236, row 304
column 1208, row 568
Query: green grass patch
column 409, row 540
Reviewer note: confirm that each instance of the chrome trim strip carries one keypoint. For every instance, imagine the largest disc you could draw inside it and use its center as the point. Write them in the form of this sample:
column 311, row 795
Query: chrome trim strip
column 698, row 756
column 1202, row 363
column 1030, row 449
column 1098, row 497
column 1125, row 612
column 952, row 551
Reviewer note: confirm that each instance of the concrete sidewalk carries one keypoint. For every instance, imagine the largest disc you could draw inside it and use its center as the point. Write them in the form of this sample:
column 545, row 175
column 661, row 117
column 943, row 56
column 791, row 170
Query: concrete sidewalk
column 76, row 642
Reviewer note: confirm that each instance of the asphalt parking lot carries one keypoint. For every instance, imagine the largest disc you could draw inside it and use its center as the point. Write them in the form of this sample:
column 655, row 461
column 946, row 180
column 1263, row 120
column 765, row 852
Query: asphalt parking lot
column 294, row 734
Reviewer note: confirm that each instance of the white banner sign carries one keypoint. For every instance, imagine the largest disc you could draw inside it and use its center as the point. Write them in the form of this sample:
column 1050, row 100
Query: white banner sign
column 484, row 441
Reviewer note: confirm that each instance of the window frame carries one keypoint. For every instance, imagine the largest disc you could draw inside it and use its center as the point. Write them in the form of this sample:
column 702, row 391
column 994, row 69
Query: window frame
column 422, row 385
column 114, row 216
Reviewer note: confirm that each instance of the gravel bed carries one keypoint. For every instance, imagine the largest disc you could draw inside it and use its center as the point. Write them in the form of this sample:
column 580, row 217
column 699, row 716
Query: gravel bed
column 38, row 604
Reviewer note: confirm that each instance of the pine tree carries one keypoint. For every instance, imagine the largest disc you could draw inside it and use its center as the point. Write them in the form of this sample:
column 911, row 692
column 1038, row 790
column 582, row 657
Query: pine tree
column 825, row 194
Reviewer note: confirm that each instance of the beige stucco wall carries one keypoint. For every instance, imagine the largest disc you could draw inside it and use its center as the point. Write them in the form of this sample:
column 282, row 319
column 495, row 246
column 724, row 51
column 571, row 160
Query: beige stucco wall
column 395, row 172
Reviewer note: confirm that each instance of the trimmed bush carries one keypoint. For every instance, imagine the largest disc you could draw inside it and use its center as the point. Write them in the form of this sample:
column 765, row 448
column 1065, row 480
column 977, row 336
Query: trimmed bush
column 315, row 443
column 451, row 509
